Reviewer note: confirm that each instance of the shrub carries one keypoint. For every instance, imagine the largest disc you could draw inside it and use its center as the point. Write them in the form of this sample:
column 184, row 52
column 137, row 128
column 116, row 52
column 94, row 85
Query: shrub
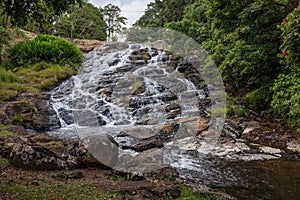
column 45, row 48
column 259, row 99
column 286, row 98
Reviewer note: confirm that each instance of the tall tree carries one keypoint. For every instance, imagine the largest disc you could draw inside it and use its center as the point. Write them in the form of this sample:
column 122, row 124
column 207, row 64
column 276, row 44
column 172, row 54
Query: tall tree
column 115, row 22
column 85, row 22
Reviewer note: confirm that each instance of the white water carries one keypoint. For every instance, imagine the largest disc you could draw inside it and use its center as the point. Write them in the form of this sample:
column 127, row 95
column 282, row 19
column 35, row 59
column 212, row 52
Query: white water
column 99, row 94
column 82, row 101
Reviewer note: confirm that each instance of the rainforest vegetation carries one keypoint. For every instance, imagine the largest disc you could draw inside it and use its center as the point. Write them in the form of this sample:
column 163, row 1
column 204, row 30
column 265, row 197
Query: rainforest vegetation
column 255, row 44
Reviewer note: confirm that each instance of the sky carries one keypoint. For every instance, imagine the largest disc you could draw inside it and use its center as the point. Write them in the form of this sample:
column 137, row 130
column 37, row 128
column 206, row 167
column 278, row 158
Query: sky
column 131, row 9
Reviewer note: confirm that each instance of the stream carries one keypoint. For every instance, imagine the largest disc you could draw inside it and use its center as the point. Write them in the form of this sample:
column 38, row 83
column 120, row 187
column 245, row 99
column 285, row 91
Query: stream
column 148, row 102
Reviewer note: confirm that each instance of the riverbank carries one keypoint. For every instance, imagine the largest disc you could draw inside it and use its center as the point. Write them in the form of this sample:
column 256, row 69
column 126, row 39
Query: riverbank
column 23, row 143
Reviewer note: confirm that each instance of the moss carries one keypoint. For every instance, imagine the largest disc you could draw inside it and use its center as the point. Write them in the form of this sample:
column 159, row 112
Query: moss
column 18, row 119
column 5, row 132
column 51, row 144
column 138, row 87
column 202, row 85
column 3, row 160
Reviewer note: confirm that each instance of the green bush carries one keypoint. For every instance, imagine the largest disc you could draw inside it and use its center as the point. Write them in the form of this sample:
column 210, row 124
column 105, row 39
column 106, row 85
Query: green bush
column 45, row 48
column 259, row 99
column 286, row 98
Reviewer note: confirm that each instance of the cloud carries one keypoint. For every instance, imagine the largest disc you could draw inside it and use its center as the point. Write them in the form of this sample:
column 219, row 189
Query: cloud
column 134, row 10
column 131, row 9
column 102, row 3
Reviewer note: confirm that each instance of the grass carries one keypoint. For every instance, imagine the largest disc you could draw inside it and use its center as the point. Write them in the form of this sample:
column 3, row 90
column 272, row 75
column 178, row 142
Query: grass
column 5, row 132
column 55, row 191
column 38, row 190
column 187, row 193
column 39, row 77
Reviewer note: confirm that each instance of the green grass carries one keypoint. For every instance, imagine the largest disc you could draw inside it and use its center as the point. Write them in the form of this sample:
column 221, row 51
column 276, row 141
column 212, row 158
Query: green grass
column 56, row 191
column 81, row 191
column 187, row 193
column 5, row 132
column 38, row 77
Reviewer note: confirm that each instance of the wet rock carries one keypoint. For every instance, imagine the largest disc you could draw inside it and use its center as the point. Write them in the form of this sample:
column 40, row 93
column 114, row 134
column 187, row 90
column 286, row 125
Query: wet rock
column 183, row 67
column 146, row 162
column 173, row 110
column 164, row 58
column 168, row 131
column 294, row 146
column 232, row 130
column 87, row 118
column 124, row 68
column 115, row 62
column 140, row 112
column 101, row 122
column 98, row 151
column 145, row 144
column 269, row 150
column 137, row 103
column 32, row 112
column 66, row 115
column 168, row 97
column 105, row 93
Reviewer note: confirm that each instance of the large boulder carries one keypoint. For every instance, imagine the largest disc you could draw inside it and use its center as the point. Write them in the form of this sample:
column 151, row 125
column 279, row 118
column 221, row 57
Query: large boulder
column 31, row 111
column 43, row 152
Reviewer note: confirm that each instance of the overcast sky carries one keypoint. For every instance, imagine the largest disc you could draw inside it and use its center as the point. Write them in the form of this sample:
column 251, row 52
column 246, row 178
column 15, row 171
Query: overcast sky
column 131, row 9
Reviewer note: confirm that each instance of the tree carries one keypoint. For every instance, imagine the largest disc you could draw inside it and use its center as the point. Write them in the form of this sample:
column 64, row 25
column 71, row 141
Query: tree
column 160, row 12
column 19, row 12
column 85, row 22
column 4, row 38
column 113, row 19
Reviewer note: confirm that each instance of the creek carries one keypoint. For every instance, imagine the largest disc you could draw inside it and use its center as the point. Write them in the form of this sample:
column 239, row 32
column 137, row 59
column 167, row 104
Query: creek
column 149, row 103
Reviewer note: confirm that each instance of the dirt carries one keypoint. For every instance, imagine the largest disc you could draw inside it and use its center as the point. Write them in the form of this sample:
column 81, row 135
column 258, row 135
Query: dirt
column 103, row 181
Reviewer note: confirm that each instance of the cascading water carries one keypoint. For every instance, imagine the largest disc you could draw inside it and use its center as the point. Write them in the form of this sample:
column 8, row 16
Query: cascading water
column 147, row 101
column 121, row 88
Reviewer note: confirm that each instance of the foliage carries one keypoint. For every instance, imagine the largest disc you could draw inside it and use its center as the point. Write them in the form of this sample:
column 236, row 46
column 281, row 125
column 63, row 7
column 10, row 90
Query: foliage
column 85, row 22
column 259, row 99
column 22, row 12
column 290, row 28
column 113, row 20
column 45, row 49
column 244, row 38
column 160, row 12
column 286, row 98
